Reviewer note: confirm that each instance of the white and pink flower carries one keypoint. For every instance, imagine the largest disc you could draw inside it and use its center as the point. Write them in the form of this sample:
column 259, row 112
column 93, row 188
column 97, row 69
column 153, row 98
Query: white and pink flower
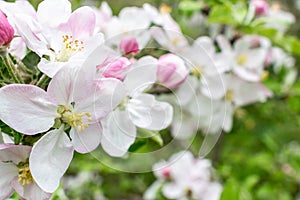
column 184, row 177
column 171, row 71
column 75, row 98
column 137, row 109
column 16, row 174
column 53, row 31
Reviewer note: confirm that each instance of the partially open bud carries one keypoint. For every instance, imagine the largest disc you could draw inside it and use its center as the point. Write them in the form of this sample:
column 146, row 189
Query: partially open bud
column 114, row 68
column 171, row 71
column 129, row 46
column 6, row 30
column 261, row 7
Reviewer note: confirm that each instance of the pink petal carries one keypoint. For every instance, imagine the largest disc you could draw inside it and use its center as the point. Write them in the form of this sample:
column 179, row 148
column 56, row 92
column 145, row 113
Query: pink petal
column 87, row 140
column 81, row 23
column 50, row 158
column 171, row 70
column 33, row 41
column 26, row 108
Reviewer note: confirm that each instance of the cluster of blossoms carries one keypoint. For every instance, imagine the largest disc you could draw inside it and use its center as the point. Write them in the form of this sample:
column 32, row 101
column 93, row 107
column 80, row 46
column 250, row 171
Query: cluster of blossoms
column 184, row 177
column 106, row 84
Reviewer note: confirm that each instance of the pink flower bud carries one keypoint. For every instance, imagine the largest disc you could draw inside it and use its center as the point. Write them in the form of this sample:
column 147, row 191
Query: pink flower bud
column 129, row 46
column 166, row 173
column 6, row 30
column 114, row 68
column 261, row 7
column 172, row 71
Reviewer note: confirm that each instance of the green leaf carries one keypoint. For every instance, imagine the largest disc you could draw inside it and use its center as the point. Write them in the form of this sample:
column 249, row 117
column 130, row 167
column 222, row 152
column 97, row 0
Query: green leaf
column 137, row 145
column 190, row 6
column 231, row 191
column 18, row 138
column 221, row 14
column 31, row 60
column 153, row 135
column 228, row 13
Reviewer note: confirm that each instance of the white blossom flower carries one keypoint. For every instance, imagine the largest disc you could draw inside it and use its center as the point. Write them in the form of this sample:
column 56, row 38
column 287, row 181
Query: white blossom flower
column 184, row 177
column 16, row 174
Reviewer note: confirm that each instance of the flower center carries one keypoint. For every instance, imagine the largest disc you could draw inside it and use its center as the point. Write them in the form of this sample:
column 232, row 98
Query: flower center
column 175, row 41
column 197, row 71
column 77, row 120
column 264, row 75
column 229, row 95
column 24, row 176
column 69, row 48
column 242, row 59
column 123, row 104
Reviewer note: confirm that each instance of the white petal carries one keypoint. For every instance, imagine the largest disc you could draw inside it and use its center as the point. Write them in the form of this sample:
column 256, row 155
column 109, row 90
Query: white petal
column 224, row 44
column 141, row 75
column 61, row 87
column 118, row 133
column 207, row 44
column 90, row 47
column 50, row 68
column 101, row 99
column 87, row 140
column 213, row 191
column 213, row 87
column 7, row 173
column 152, row 191
column 228, row 117
column 31, row 191
column 184, row 128
column 53, row 12
column 14, row 153
column 187, row 91
column 26, row 108
column 146, row 112
column 50, row 158
column 173, row 191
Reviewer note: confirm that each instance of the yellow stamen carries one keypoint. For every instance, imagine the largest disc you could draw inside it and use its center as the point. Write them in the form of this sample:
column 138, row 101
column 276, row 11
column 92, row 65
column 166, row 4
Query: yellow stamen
column 176, row 40
column 25, row 177
column 242, row 59
column 165, row 9
column 75, row 120
column 229, row 95
column 264, row 75
column 69, row 48
column 197, row 71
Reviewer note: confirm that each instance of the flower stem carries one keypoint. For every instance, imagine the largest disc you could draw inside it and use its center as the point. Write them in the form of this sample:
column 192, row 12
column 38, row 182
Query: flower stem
column 44, row 78
column 13, row 72
column 23, row 67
